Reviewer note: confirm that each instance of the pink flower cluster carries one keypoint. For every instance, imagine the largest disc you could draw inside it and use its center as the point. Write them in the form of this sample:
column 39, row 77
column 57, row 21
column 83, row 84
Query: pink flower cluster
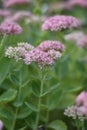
column 44, row 54
column 71, row 3
column 82, row 42
column 8, row 3
column 80, row 109
column 60, row 22
column 10, row 28
column 4, row 12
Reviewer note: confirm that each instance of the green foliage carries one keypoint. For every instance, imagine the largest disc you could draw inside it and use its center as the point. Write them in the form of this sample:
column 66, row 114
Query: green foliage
column 57, row 125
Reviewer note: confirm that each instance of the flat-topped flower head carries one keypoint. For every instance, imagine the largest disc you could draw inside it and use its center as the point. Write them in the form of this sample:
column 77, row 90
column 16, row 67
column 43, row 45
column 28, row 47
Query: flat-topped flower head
column 60, row 22
column 8, row 3
column 51, row 45
column 10, row 28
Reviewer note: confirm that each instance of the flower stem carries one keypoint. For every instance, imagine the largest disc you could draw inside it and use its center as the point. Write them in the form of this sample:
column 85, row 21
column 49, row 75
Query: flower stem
column 19, row 94
column 2, row 45
column 39, row 102
column 83, row 128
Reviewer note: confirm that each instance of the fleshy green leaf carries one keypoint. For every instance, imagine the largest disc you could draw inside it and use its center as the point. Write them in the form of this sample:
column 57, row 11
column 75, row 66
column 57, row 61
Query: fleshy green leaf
column 8, row 96
column 24, row 112
column 4, row 68
column 58, row 125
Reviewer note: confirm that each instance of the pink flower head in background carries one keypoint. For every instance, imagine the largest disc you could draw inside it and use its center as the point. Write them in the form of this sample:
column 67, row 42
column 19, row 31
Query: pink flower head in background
column 60, row 22
column 81, row 99
column 10, row 28
column 4, row 12
column 1, row 125
column 8, row 3
column 82, row 42
column 71, row 3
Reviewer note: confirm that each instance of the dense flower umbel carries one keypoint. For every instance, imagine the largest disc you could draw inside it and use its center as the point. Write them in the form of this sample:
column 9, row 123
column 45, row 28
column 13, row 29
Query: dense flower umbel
column 1, row 125
column 8, row 3
column 45, row 53
column 60, row 22
column 10, row 28
column 75, row 112
column 18, row 52
column 51, row 45
column 41, row 54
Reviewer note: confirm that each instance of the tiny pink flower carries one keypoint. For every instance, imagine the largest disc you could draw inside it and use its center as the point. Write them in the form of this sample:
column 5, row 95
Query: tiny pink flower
column 60, row 22
column 10, row 28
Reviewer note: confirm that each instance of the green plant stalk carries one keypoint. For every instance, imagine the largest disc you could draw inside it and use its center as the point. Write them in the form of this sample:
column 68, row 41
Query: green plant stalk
column 83, row 128
column 17, row 109
column 77, row 124
column 39, row 103
column 2, row 45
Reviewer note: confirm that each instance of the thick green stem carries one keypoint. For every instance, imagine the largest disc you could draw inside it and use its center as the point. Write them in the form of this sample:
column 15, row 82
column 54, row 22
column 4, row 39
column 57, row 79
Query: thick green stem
column 78, row 125
column 2, row 45
column 83, row 128
column 39, row 103
column 17, row 109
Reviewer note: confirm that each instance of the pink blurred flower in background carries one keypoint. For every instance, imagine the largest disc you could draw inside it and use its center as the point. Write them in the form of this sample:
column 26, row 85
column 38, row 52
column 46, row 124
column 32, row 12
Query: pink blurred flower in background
column 1, row 125
column 60, row 22
column 8, row 3
column 71, row 3
column 79, row 37
column 4, row 12
column 10, row 28
column 82, row 42
column 82, row 99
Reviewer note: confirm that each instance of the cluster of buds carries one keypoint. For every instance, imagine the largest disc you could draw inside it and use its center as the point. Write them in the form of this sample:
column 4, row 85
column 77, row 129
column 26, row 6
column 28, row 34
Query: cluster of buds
column 78, row 111
column 19, row 51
